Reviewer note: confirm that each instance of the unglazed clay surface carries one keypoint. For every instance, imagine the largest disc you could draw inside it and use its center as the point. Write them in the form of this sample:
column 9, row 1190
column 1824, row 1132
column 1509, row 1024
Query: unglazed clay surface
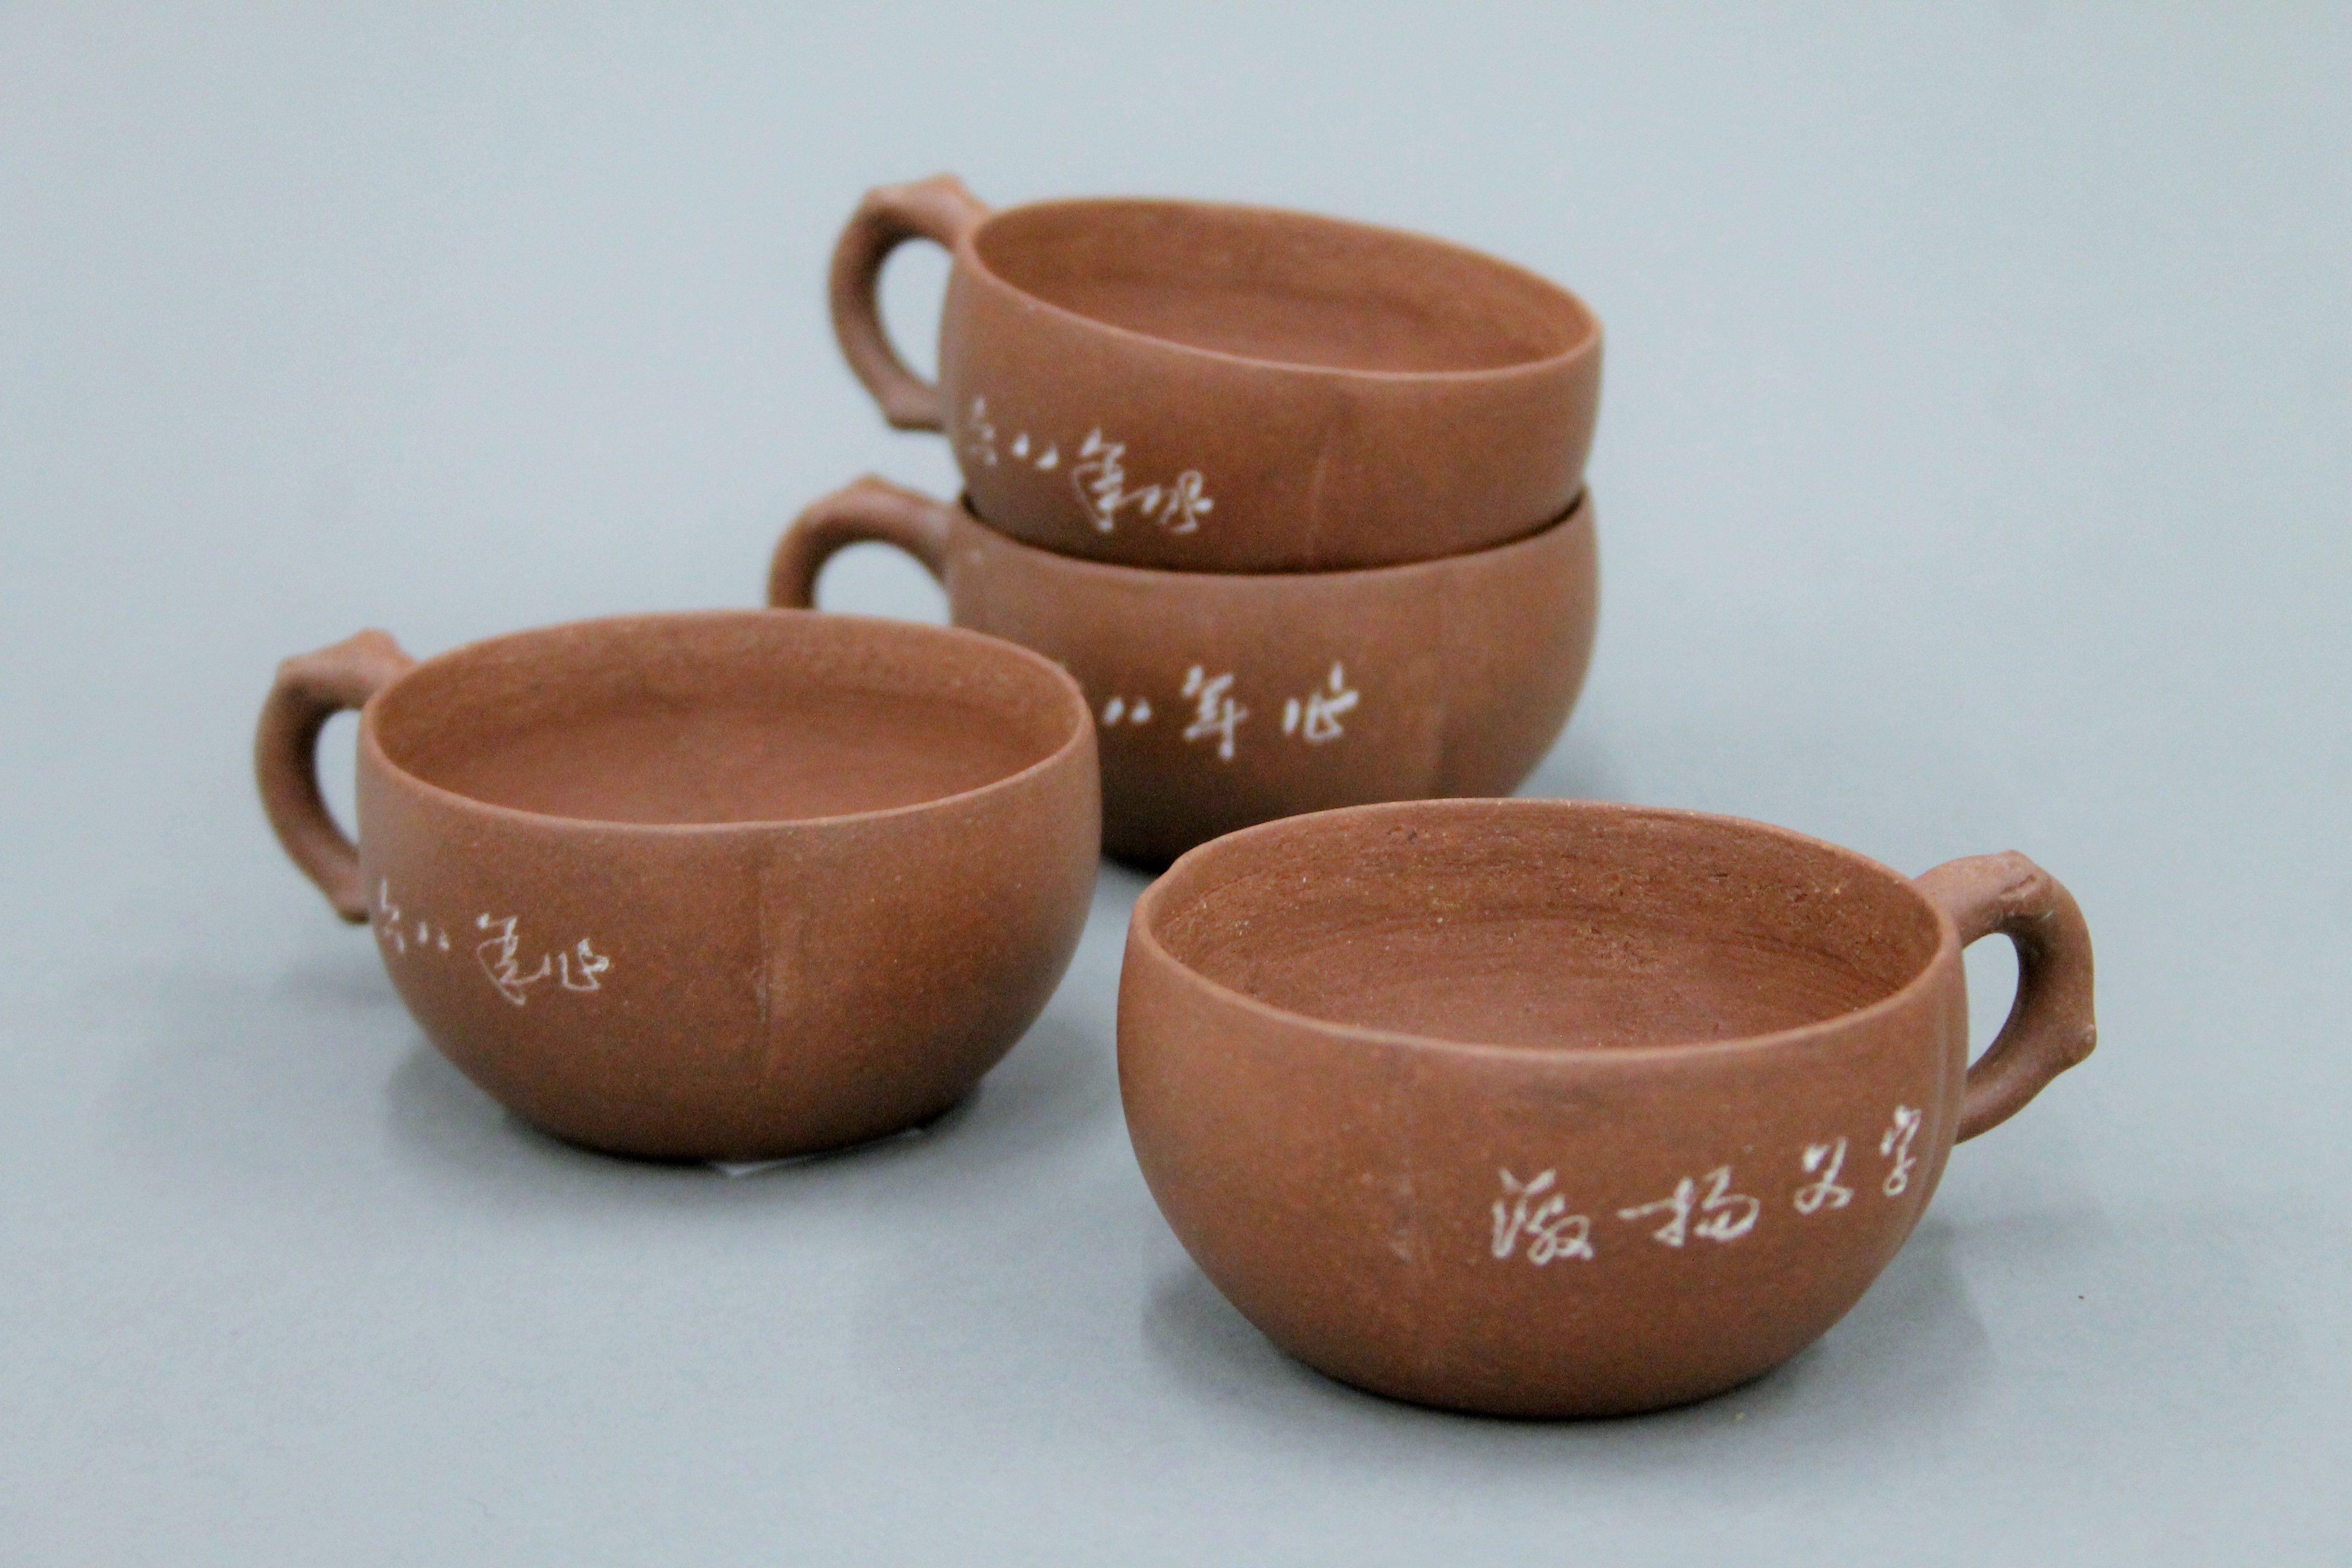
column 794, row 754
column 1283, row 287
column 623, row 872
column 1224, row 700
column 1203, row 387
column 1550, row 1108
column 1557, row 945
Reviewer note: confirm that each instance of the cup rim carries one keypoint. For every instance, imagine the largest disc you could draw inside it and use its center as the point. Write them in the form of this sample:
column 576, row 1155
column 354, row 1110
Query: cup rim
column 1586, row 342
column 1116, row 570
column 1081, row 730
column 1142, row 931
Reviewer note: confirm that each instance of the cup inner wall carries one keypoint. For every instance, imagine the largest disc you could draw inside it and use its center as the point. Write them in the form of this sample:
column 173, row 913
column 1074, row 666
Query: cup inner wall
column 1283, row 287
column 1567, row 929
column 764, row 716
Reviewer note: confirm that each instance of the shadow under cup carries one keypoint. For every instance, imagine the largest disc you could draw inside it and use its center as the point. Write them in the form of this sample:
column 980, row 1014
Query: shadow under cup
column 720, row 886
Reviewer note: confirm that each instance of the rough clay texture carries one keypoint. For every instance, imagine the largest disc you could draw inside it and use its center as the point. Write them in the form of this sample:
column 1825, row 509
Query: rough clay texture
column 1546, row 1108
column 721, row 886
column 1211, row 388
column 1222, row 700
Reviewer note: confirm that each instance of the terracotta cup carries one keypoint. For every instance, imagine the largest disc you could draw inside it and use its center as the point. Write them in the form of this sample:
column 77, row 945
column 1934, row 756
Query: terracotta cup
column 1547, row 1108
column 1222, row 700
column 723, row 886
column 1203, row 387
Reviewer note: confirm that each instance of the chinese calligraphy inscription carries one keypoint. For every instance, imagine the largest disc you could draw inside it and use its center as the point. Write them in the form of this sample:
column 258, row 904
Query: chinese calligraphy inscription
column 500, row 952
column 1532, row 1217
column 1099, row 476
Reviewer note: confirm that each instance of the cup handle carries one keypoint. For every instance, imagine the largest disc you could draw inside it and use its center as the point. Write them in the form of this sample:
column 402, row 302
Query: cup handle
column 2050, row 1027
column 864, row 510
column 309, row 690
column 937, row 209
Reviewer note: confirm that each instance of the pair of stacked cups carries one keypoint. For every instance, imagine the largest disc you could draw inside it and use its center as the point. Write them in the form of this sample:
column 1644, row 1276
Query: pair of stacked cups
column 1533, row 1106
column 1298, row 502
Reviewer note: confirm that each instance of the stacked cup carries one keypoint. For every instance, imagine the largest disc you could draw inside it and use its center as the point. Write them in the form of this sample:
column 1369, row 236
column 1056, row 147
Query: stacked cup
column 1298, row 502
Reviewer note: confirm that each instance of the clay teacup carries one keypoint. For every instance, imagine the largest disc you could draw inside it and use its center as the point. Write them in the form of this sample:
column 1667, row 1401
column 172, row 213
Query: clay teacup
column 1212, row 388
column 1223, row 700
column 729, row 886
column 1544, row 1108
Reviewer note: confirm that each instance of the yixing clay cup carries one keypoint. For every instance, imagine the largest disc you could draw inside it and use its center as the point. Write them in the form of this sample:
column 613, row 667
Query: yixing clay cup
column 1545, row 1107
column 1226, row 699
column 728, row 886
column 1211, row 388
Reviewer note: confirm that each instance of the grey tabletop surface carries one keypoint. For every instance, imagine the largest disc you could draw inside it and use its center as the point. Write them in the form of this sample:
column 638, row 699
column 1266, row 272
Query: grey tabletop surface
column 1971, row 476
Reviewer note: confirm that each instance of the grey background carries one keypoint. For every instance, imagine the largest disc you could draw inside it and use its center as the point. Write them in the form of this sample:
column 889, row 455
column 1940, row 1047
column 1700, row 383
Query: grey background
column 1971, row 476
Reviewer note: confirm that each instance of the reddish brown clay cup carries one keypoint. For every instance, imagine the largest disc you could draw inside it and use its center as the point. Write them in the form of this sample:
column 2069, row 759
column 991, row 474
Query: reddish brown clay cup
column 728, row 886
column 1222, row 700
column 1545, row 1107
column 1202, row 387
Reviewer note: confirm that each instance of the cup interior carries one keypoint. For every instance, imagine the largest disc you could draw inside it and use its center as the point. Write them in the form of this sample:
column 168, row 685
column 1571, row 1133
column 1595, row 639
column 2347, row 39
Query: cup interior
column 1543, row 923
column 759, row 716
column 1283, row 287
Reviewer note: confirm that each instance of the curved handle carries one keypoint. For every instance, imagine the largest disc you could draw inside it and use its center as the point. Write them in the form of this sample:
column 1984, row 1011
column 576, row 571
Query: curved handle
column 2050, row 1026
column 868, row 509
column 937, row 209
column 309, row 690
